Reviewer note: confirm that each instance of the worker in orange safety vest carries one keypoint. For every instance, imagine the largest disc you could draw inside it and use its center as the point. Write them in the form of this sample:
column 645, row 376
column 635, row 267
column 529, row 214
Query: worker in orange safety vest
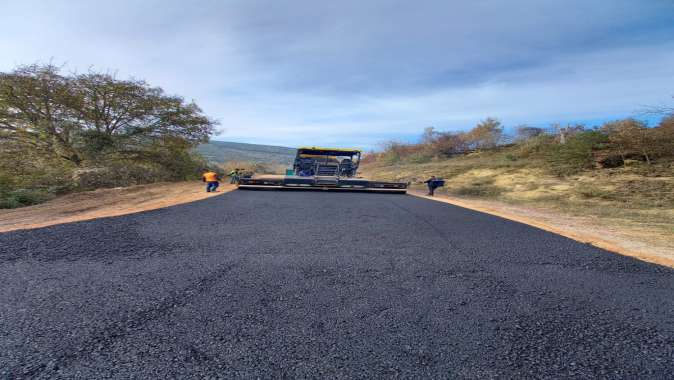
column 211, row 179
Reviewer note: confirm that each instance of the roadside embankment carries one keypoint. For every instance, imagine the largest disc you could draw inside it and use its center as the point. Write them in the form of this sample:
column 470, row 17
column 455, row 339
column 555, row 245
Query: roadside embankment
column 104, row 203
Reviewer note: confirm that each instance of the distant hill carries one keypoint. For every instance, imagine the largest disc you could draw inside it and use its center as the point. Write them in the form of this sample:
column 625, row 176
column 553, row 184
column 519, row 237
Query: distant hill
column 223, row 151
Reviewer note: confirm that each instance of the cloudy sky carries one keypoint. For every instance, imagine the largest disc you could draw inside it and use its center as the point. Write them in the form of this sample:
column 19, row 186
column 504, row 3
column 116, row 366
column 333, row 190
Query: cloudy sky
column 360, row 72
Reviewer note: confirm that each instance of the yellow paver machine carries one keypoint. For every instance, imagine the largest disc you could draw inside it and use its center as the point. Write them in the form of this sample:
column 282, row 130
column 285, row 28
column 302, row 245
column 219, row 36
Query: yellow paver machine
column 323, row 169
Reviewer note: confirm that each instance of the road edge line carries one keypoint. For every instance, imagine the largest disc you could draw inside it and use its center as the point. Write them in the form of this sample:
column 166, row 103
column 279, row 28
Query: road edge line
column 594, row 241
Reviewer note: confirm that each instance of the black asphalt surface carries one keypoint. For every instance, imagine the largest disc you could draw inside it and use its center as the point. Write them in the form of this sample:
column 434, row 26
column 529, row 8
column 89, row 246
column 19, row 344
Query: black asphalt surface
column 276, row 284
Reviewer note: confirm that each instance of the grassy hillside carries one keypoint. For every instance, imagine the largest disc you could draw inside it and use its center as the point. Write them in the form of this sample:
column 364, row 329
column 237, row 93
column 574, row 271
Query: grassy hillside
column 224, row 151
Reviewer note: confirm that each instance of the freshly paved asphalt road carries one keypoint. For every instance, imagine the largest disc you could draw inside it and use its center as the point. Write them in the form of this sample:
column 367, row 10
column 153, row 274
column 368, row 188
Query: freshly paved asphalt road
column 315, row 284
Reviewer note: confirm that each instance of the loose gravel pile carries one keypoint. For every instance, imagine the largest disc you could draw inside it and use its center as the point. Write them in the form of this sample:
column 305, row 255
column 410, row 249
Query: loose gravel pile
column 317, row 284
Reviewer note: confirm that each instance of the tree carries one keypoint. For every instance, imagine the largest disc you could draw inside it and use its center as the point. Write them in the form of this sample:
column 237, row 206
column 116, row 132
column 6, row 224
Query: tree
column 449, row 144
column 663, row 137
column 88, row 117
column 35, row 111
column 564, row 133
column 429, row 136
column 486, row 134
column 630, row 136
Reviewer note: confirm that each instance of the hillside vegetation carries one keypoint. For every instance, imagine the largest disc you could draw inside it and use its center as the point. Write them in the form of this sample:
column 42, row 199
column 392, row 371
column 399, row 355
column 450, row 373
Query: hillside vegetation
column 225, row 151
column 226, row 156
column 62, row 133
column 621, row 171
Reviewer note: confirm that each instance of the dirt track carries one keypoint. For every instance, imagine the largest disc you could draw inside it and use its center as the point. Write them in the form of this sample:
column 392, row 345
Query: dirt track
column 318, row 284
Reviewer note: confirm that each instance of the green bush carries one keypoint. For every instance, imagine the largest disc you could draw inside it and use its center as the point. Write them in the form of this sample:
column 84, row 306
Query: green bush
column 576, row 154
column 24, row 197
column 183, row 165
column 8, row 202
column 27, row 181
column 127, row 173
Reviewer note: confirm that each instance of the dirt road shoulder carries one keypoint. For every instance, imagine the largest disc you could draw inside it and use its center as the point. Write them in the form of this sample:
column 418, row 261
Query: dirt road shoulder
column 105, row 203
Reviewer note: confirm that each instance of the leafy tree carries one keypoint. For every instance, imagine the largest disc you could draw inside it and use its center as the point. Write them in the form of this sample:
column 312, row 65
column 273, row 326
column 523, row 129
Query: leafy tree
column 486, row 134
column 89, row 117
column 60, row 132
column 449, row 144
column 35, row 111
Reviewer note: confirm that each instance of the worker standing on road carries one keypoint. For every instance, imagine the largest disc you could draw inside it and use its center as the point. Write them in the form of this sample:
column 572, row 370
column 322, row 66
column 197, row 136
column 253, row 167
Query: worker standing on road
column 211, row 179
column 432, row 185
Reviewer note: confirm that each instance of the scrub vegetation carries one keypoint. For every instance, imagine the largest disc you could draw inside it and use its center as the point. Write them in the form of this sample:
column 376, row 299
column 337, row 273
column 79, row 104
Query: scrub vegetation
column 65, row 132
column 621, row 171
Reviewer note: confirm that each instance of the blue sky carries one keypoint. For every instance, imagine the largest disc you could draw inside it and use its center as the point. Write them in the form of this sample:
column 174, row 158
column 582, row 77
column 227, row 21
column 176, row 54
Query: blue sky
column 362, row 72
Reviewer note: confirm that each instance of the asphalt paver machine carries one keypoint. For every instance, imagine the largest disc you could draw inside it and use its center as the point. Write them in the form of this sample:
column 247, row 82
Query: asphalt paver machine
column 323, row 169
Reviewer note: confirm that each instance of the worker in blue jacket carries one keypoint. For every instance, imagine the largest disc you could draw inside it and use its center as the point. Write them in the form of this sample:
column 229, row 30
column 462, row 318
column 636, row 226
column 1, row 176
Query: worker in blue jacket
column 432, row 184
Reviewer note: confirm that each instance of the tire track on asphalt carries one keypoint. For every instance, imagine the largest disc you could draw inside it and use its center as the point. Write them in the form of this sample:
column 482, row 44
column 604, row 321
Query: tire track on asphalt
column 438, row 231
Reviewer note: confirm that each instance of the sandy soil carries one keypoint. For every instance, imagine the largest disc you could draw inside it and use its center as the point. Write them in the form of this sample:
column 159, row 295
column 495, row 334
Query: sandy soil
column 103, row 203
column 630, row 242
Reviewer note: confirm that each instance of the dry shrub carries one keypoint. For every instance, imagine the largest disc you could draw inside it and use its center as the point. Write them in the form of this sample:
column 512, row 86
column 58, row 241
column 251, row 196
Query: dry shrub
column 479, row 188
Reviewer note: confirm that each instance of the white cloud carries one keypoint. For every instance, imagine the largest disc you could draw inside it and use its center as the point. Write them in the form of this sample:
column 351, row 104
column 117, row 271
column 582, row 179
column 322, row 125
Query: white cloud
column 353, row 73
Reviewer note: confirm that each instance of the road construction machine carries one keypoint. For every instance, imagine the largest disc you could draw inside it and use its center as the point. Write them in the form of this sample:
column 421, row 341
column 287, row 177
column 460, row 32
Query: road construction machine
column 322, row 169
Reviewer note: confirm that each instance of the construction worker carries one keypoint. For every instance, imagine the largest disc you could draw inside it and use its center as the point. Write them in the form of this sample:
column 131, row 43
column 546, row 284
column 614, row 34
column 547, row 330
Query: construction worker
column 432, row 185
column 211, row 179
column 234, row 174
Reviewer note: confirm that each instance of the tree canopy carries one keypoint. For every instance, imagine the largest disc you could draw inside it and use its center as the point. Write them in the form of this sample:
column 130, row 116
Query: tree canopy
column 82, row 118
column 60, row 132
column 486, row 134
